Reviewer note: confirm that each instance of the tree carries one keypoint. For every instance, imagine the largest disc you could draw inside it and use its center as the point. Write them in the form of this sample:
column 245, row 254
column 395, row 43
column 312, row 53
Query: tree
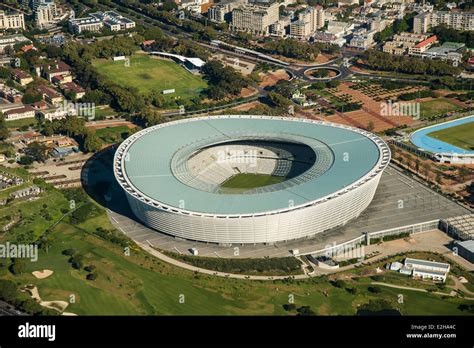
column 285, row 88
column 279, row 100
column 92, row 143
column 338, row 283
column 26, row 160
column 374, row 289
column 92, row 276
column 223, row 80
column 18, row 266
column 370, row 126
column 318, row 85
column 439, row 177
column 305, row 311
column 80, row 214
column 4, row 132
column 426, row 169
column 463, row 173
column 37, row 151
column 8, row 290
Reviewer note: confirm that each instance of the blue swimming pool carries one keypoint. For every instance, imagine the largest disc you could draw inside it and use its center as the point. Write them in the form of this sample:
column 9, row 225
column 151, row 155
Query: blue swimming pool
column 421, row 139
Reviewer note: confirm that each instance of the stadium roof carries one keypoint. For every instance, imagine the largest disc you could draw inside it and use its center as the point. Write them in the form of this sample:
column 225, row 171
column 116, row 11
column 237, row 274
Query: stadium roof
column 146, row 159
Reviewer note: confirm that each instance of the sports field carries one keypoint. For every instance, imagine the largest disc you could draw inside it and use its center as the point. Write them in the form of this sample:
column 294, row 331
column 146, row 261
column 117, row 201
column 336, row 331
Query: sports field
column 435, row 107
column 461, row 136
column 249, row 181
column 148, row 74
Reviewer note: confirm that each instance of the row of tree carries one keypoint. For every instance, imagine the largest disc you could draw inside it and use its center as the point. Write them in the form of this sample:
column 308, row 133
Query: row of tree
column 377, row 60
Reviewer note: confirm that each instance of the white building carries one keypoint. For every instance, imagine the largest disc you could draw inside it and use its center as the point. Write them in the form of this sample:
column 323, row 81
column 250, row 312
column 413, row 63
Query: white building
column 425, row 21
column 11, row 40
column 363, row 39
column 97, row 21
column 263, row 216
column 310, row 20
column 19, row 113
column 255, row 19
column 14, row 20
column 428, row 269
column 221, row 12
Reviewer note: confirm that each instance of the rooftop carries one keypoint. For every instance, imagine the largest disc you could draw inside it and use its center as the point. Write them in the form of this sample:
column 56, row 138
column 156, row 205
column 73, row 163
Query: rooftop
column 468, row 244
column 152, row 151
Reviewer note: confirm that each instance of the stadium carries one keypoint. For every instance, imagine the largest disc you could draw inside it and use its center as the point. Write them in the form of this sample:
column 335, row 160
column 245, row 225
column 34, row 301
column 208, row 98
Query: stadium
column 249, row 179
column 444, row 142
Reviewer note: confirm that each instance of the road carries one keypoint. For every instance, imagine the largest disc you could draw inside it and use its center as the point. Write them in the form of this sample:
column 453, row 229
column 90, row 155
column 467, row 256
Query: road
column 295, row 70
column 192, row 268
column 452, row 293
column 8, row 310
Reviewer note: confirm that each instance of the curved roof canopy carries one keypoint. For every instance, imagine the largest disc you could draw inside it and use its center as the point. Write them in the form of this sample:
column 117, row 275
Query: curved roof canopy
column 143, row 162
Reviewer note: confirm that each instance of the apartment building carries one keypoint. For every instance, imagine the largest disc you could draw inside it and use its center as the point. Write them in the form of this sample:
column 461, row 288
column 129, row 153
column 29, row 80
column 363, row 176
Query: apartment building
column 97, row 21
column 222, row 11
column 308, row 22
column 46, row 14
column 424, row 22
column 50, row 95
column 282, row 27
column 363, row 39
column 21, row 77
column 402, row 42
column 15, row 20
column 55, row 69
column 342, row 3
column 255, row 19
column 422, row 46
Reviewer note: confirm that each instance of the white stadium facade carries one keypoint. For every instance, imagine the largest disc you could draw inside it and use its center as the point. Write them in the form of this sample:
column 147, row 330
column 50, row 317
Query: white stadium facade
column 173, row 175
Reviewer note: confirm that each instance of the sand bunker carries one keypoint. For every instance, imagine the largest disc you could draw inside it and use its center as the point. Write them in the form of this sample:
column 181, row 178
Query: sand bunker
column 59, row 306
column 42, row 274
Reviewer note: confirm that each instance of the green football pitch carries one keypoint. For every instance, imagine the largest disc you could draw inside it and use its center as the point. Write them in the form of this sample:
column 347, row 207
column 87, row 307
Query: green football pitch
column 242, row 182
column 147, row 73
column 461, row 136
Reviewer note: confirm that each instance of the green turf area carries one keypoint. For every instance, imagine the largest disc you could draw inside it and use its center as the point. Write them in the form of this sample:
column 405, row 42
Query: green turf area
column 148, row 74
column 139, row 284
column 102, row 112
column 31, row 121
column 132, row 282
column 461, row 136
column 432, row 108
column 249, row 181
column 113, row 135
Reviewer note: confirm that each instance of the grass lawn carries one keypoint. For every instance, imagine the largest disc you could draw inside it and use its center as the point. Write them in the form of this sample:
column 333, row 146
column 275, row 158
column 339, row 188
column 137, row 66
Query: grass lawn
column 139, row 284
column 461, row 136
column 152, row 74
column 248, row 181
column 31, row 121
column 101, row 112
column 437, row 107
column 36, row 215
column 111, row 135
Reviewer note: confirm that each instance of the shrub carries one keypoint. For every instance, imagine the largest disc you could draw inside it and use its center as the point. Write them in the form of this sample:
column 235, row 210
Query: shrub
column 289, row 307
column 374, row 289
column 92, row 276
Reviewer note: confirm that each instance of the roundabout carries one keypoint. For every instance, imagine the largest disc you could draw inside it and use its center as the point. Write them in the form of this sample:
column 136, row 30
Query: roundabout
column 323, row 73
